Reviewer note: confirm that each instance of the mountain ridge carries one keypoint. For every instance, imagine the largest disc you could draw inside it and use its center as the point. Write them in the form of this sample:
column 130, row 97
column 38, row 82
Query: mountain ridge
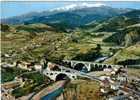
column 85, row 15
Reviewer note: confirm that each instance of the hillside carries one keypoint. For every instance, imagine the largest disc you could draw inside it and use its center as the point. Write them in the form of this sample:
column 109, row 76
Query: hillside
column 122, row 31
column 119, row 22
column 128, row 56
column 29, row 42
column 124, row 28
column 36, row 41
column 33, row 42
column 126, row 37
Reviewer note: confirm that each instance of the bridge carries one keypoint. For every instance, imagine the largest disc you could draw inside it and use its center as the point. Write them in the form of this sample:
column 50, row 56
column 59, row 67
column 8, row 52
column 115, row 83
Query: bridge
column 91, row 66
column 73, row 74
column 58, row 75
column 67, row 73
column 76, row 70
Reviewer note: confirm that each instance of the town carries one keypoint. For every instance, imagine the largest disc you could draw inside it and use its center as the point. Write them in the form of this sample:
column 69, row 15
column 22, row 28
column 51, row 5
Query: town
column 114, row 81
column 78, row 50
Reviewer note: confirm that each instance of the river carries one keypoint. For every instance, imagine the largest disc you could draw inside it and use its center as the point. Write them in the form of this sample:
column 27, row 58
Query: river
column 51, row 92
column 53, row 95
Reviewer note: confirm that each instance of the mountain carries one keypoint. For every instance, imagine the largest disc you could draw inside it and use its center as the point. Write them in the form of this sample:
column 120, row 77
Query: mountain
column 40, row 34
column 126, row 28
column 119, row 22
column 70, row 16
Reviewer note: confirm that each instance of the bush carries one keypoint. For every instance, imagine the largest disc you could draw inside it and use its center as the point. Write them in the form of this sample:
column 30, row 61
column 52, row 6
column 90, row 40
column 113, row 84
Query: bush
column 90, row 56
column 8, row 74
column 4, row 28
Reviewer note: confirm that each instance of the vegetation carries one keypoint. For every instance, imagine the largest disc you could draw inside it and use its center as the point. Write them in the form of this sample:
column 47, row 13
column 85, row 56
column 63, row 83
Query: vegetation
column 126, row 37
column 36, row 77
column 32, row 81
column 91, row 55
column 35, row 41
column 8, row 74
column 29, row 44
column 4, row 27
column 133, row 72
column 131, row 54
column 82, row 89
column 20, row 91
column 72, row 36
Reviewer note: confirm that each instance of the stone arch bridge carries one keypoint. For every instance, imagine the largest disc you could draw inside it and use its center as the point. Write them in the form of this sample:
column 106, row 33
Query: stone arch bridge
column 67, row 73
column 59, row 75
column 73, row 73
column 91, row 66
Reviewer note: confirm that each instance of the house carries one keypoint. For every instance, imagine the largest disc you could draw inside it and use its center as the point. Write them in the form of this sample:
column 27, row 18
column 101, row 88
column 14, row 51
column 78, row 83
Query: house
column 114, row 86
column 19, row 79
column 122, row 92
column 38, row 67
column 7, row 55
column 121, row 78
column 107, row 69
column 103, row 90
column 104, row 82
column 52, row 66
column 24, row 65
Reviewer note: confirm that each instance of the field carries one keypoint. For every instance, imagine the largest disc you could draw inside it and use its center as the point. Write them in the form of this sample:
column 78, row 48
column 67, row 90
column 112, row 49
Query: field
column 82, row 90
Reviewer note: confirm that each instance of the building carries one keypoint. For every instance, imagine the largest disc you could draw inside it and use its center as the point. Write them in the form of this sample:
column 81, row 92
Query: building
column 38, row 67
column 24, row 65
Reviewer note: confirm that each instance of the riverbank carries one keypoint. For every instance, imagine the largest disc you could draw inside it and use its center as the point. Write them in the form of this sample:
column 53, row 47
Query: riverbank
column 51, row 92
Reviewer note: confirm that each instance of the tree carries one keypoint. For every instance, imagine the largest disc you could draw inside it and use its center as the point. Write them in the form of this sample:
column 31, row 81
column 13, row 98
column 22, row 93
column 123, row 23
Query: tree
column 4, row 28
column 98, row 48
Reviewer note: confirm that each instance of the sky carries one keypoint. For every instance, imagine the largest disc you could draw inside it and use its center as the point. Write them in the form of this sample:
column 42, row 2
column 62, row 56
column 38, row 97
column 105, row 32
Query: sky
column 16, row 8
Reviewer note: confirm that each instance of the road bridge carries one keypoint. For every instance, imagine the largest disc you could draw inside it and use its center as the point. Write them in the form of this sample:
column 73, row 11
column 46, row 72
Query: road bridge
column 67, row 72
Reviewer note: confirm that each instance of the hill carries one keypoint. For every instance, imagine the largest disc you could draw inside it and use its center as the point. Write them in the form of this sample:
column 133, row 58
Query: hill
column 124, row 28
column 128, row 56
column 118, row 22
column 36, row 41
column 128, row 36
column 29, row 42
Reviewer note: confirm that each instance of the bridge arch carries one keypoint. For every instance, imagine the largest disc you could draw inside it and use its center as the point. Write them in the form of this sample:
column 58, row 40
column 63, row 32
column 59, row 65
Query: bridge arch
column 109, row 66
column 104, row 66
column 79, row 66
column 61, row 76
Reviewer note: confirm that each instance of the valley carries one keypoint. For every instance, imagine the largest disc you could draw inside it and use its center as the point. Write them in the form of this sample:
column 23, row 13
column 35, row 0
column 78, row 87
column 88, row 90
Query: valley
column 95, row 41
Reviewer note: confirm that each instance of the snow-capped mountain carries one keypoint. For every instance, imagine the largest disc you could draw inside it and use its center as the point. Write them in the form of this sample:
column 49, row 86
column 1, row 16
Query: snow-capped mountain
column 78, row 6
column 70, row 16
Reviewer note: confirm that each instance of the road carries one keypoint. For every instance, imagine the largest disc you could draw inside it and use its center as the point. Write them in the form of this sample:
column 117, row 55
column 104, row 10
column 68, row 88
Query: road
column 82, row 74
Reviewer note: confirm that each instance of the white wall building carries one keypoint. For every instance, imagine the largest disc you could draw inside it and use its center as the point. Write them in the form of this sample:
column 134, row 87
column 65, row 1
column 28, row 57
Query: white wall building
column 38, row 67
